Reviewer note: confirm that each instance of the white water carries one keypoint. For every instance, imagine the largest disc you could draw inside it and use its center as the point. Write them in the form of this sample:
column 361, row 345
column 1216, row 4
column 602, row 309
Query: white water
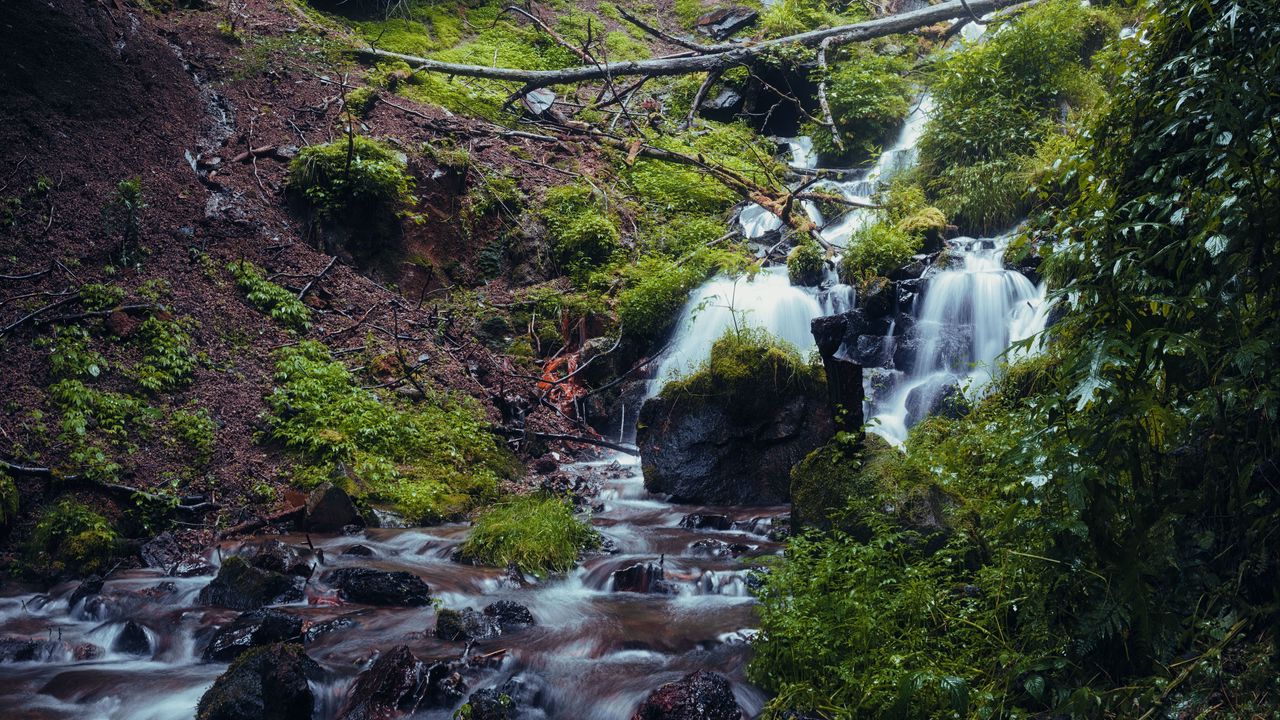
column 971, row 312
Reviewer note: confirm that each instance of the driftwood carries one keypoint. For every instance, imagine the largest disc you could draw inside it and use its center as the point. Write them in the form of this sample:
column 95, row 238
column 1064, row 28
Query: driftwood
column 293, row 514
column 518, row 432
column 710, row 58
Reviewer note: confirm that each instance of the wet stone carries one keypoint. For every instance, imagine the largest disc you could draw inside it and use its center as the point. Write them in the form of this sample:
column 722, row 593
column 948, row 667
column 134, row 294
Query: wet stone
column 491, row 704
column 509, row 615
column 359, row 551
column 379, row 587
column 329, row 509
column 393, row 686
column 25, row 650
column 277, row 557
column 132, row 640
column 90, row 587
column 241, row 586
column 466, row 624
column 266, row 683
column 642, row 578
column 706, row 521
column 697, row 696
column 251, row 629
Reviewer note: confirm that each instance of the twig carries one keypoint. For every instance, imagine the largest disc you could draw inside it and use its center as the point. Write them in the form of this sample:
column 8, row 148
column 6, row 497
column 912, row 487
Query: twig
column 698, row 97
column 307, row 288
column 517, row 432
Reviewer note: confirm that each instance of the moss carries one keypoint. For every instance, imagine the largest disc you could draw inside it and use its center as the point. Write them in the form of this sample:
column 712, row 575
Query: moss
column 433, row 459
column 656, row 290
column 805, row 264
column 361, row 100
column 582, row 233
column 750, row 369
column 838, row 485
column 71, row 537
column 537, row 533
column 356, row 183
column 869, row 96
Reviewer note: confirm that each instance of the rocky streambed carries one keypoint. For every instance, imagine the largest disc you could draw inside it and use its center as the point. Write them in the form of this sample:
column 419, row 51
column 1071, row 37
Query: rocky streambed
column 386, row 623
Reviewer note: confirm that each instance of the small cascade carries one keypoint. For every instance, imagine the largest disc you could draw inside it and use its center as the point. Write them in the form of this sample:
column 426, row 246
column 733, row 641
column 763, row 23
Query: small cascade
column 971, row 311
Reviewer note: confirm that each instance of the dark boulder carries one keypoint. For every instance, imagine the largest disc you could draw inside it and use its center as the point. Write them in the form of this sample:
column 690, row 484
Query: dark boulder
column 379, row 587
column 510, row 616
column 723, row 23
column 723, row 106
column 91, row 586
column 241, row 586
column 943, row 398
column 702, row 450
column 359, row 551
column 697, row 696
column 491, row 704
column 329, row 509
column 642, row 578
column 251, row 629
column 465, row 624
column 275, row 556
column 321, row 629
column 26, row 650
column 706, row 521
column 844, row 376
column 712, row 548
column 393, row 686
column 265, row 683
column 166, row 553
column 445, row 685
column 132, row 640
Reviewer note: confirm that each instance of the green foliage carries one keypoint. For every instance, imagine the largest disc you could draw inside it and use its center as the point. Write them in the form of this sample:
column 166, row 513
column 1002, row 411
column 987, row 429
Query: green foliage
column 538, row 533
column 122, row 215
column 9, row 498
column 582, row 231
column 656, row 289
column 70, row 537
column 167, row 362
column 788, row 17
column 805, row 263
column 995, row 101
column 869, row 96
column 876, row 251
column 97, row 297
column 361, row 100
column 432, row 460
column 359, row 183
column 269, row 297
column 197, row 430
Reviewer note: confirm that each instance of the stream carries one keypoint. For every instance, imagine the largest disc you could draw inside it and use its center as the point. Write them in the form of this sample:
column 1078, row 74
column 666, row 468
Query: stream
column 595, row 652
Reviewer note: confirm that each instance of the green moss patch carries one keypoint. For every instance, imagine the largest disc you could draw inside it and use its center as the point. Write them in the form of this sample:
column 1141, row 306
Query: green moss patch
column 537, row 533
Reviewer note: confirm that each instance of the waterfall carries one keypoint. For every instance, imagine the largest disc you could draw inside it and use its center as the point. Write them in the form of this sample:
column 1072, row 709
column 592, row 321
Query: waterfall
column 970, row 313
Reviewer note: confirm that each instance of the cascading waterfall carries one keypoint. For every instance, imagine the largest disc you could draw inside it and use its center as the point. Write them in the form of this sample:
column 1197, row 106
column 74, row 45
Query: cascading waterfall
column 971, row 311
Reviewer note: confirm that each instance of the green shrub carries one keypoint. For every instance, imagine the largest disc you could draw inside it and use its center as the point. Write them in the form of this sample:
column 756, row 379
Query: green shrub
column 985, row 197
column 71, row 537
column 538, row 533
column 197, row 430
column 359, row 183
column 269, row 297
column 869, row 96
column 432, row 460
column 876, row 251
column 656, row 289
column 806, row 263
column 97, row 296
column 167, row 361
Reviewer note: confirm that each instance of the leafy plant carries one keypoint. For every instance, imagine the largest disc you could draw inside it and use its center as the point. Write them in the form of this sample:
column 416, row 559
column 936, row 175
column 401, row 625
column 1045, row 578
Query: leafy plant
column 122, row 215
column 806, row 263
column 270, row 298
column 71, row 537
column 876, row 251
column 359, row 183
column 167, row 361
column 197, row 429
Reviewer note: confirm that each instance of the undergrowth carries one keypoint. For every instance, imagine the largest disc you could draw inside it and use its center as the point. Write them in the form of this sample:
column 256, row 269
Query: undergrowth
column 538, row 534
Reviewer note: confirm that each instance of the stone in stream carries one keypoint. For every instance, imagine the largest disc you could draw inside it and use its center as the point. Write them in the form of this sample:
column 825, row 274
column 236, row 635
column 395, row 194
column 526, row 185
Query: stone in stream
column 710, row 547
column 166, row 553
column 91, row 586
column 394, row 685
column 465, row 624
column 321, row 629
column 642, row 578
column 510, row 615
column 275, row 556
column 697, row 696
column 241, row 586
column 132, row 640
column 706, row 521
column 251, row 629
column 359, row 551
column 379, row 587
column 265, row 683
column 490, row 704
column 844, row 376
column 26, row 650
column 329, row 509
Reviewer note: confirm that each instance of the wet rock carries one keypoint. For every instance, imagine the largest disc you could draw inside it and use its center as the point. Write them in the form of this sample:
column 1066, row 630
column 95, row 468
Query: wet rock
column 711, row 450
column 192, row 566
column 387, row 519
column 642, row 578
column 528, row 690
column 394, row 685
column 942, row 399
column 509, row 615
column 329, row 509
column 713, row 548
column 465, row 624
column 166, row 553
column 723, row 106
column 266, row 683
column 251, row 629
column 26, row 650
column 445, row 685
column 241, row 586
column 706, row 521
column 379, row 587
column 86, row 651
column 275, row 556
column 722, row 23
column 359, row 551
column 491, row 704
column 132, row 640
column 89, row 587
column 324, row 628
column 697, row 696
column 844, row 376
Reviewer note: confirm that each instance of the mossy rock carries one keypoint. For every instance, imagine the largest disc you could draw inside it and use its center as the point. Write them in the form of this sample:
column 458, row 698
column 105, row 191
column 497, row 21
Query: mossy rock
column 241, row 586
column 838, row 484
column 266, row 683
column 805, row 265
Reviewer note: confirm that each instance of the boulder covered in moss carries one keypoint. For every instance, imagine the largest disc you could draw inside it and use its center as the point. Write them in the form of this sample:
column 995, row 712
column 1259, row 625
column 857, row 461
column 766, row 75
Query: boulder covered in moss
column 250, row 630
column 379, row 587
column 241, row 586
column 266, row 683
column 834, row 486
column 696, row 696
column 730, row 433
